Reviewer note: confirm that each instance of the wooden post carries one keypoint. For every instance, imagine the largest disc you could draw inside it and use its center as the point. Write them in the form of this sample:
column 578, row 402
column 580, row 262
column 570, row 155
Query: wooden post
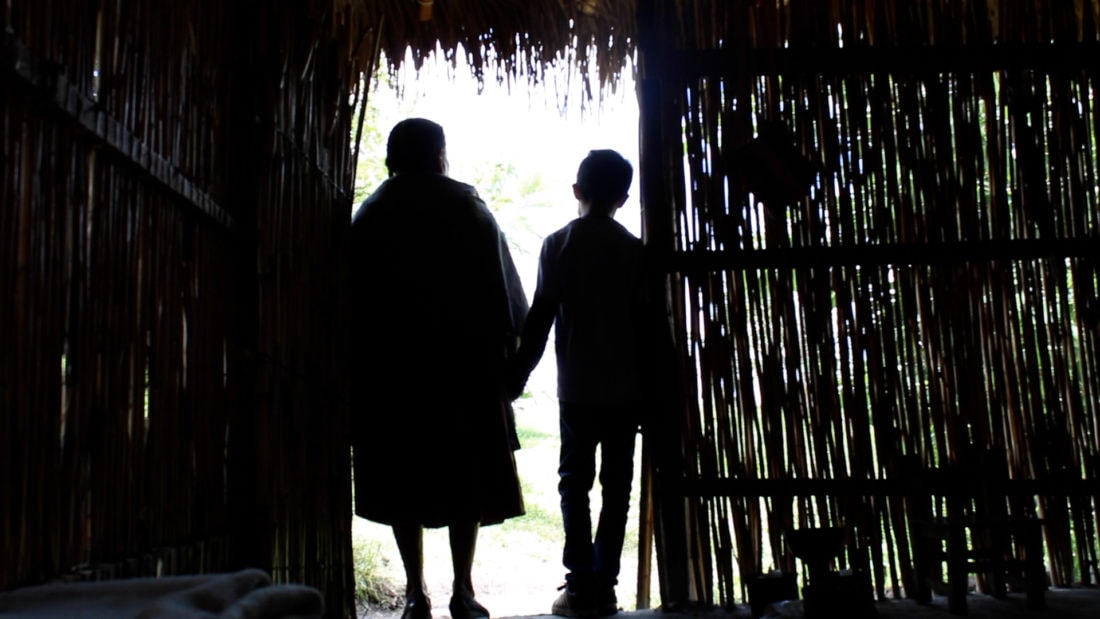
column 666, row 501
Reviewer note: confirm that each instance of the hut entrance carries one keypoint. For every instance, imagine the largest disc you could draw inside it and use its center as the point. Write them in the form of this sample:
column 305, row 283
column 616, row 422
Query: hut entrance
column 520, row 149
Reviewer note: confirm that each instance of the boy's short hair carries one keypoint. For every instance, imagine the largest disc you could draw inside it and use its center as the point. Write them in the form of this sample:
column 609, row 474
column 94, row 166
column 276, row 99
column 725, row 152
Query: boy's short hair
column 414, row 145
column 604, row 177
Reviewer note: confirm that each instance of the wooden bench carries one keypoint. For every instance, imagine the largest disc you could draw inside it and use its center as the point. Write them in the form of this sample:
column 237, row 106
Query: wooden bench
column 957, row 515
column 973, row 533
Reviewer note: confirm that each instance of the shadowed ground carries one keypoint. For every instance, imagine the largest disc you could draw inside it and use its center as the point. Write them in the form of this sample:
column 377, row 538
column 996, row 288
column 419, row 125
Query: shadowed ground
column 1076, row 603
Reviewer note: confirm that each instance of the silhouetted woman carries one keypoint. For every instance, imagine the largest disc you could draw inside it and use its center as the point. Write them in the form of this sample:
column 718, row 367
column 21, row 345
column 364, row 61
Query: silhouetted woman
column 436, row 307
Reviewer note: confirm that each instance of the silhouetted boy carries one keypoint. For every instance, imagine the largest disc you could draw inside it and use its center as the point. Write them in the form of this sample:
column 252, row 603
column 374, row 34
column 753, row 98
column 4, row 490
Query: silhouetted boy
column 591, row 285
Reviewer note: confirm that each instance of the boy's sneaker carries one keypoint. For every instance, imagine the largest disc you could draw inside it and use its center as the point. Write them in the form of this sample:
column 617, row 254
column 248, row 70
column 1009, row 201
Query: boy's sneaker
column 606, row 602
column 573, row 604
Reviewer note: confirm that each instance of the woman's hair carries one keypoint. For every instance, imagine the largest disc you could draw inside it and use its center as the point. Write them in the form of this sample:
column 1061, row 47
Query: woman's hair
column 415, row 145
column 604, row 177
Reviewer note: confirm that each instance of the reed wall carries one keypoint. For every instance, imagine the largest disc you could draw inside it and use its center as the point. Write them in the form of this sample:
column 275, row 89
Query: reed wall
column 879, row 222
column 174, row 179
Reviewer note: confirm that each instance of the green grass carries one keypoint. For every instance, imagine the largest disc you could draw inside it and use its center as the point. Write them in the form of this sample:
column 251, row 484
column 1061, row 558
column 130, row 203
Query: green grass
column 372, row 587
column 528, row 435
column 539, row 520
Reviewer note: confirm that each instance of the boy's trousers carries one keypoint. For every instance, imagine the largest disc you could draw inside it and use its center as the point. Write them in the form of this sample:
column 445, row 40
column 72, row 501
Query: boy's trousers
column 594, row 562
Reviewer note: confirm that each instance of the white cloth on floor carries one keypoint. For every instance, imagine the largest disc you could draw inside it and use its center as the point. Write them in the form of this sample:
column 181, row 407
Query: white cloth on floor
column 247, row 594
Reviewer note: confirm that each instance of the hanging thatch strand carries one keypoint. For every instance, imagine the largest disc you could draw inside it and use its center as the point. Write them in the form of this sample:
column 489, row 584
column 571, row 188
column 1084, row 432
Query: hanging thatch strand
column 506, row 41
column 884, row 245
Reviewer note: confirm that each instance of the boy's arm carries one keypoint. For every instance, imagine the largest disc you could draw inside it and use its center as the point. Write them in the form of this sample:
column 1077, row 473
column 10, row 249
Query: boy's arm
column 531, row 345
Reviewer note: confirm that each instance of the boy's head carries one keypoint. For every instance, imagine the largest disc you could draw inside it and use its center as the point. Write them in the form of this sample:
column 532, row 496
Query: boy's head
column 603, row 179
column 416, row 145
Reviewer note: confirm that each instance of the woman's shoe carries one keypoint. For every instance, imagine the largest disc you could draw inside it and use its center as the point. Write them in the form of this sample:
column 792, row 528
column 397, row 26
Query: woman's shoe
column 417, row 608
column 467, row 608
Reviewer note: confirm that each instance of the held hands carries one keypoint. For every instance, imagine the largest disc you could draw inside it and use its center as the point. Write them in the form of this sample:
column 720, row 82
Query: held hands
column 515, row 380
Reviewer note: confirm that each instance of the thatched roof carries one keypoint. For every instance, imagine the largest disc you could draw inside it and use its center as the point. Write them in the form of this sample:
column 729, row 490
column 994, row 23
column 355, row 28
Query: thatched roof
column 502, row 40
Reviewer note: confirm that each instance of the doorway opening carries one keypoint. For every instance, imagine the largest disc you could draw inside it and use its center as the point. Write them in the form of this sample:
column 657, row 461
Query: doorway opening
column 519, row 146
